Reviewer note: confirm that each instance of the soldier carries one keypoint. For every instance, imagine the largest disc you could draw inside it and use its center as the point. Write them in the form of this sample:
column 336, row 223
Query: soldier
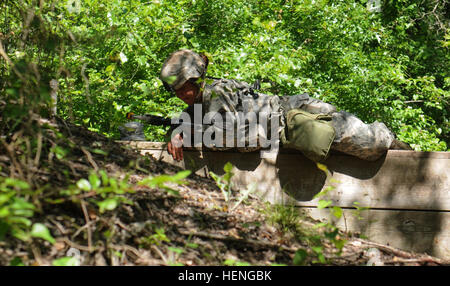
column 184, row 74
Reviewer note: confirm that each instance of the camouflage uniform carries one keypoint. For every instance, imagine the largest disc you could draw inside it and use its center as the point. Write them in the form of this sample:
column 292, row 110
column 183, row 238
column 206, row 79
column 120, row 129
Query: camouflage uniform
column 366, row 141
column 235, row 97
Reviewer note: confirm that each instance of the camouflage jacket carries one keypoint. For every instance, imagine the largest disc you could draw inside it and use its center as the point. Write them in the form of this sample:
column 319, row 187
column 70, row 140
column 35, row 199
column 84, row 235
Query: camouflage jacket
column 241, row 111
column 235, row 102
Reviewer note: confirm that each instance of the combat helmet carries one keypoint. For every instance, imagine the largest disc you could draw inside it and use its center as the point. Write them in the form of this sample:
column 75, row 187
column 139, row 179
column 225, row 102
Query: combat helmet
column 181, row 66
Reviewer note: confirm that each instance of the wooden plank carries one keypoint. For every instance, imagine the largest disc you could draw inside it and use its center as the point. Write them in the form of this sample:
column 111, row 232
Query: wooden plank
column 351, row 220
column 148, row 145
column 399, row 180
column 408, row 192
column 418, row 231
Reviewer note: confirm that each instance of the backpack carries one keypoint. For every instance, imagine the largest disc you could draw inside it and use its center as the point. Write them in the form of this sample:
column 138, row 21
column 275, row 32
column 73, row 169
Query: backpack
column 312, row 134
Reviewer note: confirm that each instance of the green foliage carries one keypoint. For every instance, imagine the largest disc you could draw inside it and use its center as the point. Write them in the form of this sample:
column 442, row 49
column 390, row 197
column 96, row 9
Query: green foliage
column 39, row 230
column 285, row 217
column 66, row 261
column 224, row 182
column 390, row 66
column 162, row 180
column 232, row 262
column 358, row 210
column 288, row 220
column 16, row 261
column 111, row 189
column 157, row 238
column 300, row 257
column 15, row 210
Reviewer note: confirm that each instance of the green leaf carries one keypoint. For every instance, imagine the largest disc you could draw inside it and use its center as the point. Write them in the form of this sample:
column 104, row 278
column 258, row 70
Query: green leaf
column 4, row 211
column 323, row 204
column 60, row 152
column 16, row 261
column 300, row 257
column 66, row 261
column 320, row 224
column 228, row 167
column 4, row 228
column 322, row 167
column 176, row 250
column 339, row 243
column 108, row 204
column 94, row 181
column 105, row 178
column 20, row 233
column 99, row 151
column 22, row 213
column 18, row 184
column 181, row 175
column 229, row 262
column 84, row 185
column 6, row 197
column 176, row 264
column 228, row 174
column 109, row 69
column 324, row 192
column 113, row 183
column 242, row 263
column 317, row 249
column 192, row 245
column 19, row 220
column 337, row 212
column 39, row 230
column 21, row 204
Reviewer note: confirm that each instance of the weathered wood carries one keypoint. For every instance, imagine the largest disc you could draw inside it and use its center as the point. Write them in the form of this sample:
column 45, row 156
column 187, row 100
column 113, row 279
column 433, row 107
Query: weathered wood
column 418, row 231
column 400, row 180
column 408, row 192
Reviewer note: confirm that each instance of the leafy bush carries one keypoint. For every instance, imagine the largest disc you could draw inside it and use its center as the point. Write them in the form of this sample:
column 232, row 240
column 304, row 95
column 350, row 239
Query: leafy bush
column 389, row 66
column 16, row 212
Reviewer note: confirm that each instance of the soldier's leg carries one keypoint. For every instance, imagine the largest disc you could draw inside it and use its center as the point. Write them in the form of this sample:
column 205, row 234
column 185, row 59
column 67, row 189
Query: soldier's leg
column 307, row 103
column 354, row 137
column 316, row 106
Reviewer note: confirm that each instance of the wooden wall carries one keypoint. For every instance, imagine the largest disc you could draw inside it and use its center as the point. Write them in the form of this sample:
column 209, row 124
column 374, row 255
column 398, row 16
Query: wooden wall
column 407, row 192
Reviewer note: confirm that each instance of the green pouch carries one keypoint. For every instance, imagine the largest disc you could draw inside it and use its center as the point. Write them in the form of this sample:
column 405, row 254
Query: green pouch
column 312, row 134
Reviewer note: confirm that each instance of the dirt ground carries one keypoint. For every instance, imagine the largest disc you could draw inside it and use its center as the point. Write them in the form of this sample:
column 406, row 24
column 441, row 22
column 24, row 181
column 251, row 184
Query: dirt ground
column 157, row 227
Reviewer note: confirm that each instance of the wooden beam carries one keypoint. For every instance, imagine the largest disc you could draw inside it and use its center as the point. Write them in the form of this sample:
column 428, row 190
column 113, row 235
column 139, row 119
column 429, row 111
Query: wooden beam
column 407, row 192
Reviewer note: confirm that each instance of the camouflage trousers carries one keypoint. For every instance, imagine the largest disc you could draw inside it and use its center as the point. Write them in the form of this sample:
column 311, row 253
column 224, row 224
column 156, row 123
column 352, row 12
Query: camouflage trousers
column 353, row 137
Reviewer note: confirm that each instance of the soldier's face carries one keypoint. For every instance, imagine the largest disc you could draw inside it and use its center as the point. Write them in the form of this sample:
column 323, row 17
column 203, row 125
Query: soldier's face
column 188, row 92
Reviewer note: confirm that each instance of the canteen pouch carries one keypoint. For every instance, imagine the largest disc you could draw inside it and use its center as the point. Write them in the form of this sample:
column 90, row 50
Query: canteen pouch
column 312, row 134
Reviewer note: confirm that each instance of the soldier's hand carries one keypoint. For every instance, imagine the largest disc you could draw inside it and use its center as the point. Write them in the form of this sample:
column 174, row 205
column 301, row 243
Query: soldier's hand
column 175, row 147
